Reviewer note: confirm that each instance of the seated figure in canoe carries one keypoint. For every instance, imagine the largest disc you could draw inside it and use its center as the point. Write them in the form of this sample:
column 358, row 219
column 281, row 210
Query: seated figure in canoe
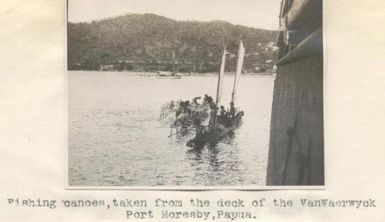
column 188, row 112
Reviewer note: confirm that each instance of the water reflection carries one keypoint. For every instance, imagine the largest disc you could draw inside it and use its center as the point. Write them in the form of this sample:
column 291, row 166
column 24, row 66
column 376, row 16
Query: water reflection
column 116, row 139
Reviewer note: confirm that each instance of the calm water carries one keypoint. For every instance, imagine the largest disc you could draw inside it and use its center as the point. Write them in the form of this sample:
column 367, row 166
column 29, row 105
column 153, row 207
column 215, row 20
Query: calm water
column 115, row 138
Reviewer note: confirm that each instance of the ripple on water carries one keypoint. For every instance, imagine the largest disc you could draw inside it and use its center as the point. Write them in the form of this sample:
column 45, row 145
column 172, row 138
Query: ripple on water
column 118, row 140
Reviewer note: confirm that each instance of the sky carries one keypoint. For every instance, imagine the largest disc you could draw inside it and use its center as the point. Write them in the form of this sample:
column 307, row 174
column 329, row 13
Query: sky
column 253, row 13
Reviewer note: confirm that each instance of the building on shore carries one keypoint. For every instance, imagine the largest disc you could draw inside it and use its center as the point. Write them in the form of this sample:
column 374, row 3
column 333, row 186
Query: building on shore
column 296, row 149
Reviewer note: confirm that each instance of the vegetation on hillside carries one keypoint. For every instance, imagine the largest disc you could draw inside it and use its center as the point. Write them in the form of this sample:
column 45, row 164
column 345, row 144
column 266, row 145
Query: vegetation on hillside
column 151, row 43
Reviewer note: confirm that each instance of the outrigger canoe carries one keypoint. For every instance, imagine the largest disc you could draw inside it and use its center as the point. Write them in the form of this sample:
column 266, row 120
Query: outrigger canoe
column 215, row 134
column 221, row 130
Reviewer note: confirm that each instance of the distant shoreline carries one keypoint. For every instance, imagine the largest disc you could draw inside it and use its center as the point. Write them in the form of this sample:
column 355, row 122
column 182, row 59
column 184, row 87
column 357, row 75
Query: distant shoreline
column 263, row 74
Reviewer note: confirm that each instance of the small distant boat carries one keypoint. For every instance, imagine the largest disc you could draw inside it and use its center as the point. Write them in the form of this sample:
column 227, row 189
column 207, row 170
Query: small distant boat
column 168, row 75
column 145, row 75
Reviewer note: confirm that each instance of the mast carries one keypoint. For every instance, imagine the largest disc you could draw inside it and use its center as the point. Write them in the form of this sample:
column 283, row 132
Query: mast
column 173, row 58
column 220, row 76
column 241, row 55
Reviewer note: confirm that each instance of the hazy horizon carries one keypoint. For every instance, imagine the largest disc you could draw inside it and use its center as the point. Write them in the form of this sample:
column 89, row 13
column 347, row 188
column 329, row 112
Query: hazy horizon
column 261, row 14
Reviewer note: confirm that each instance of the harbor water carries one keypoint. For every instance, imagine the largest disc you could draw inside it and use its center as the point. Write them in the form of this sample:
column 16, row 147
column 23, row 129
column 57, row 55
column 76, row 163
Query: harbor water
column 116, row 138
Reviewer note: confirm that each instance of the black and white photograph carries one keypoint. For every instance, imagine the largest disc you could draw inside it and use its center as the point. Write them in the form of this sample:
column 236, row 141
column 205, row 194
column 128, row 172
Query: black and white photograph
column 192, row 110
column 195, row 94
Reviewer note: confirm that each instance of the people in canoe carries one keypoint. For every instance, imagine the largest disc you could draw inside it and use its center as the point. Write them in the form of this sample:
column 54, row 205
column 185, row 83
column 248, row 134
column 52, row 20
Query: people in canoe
column 205, row 99
column 223, row 117
column 213, row 111
column 232, row 110
column 184, row 108
column 222, row 111
column 219, row 119
column 195, row 101
column 188, row 112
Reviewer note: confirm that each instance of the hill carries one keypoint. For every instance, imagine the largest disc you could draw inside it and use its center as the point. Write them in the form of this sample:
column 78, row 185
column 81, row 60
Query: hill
column 150, row 42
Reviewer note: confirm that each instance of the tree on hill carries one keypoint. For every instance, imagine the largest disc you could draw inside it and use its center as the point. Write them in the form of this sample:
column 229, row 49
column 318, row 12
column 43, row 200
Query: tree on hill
column 144, row 42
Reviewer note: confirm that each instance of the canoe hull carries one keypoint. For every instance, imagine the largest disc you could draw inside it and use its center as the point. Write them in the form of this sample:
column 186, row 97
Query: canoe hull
column 216, row 134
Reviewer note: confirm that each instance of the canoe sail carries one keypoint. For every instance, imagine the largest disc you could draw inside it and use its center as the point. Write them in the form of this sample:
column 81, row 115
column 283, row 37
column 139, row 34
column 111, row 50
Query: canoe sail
column 220, row 77
column 241, row 55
